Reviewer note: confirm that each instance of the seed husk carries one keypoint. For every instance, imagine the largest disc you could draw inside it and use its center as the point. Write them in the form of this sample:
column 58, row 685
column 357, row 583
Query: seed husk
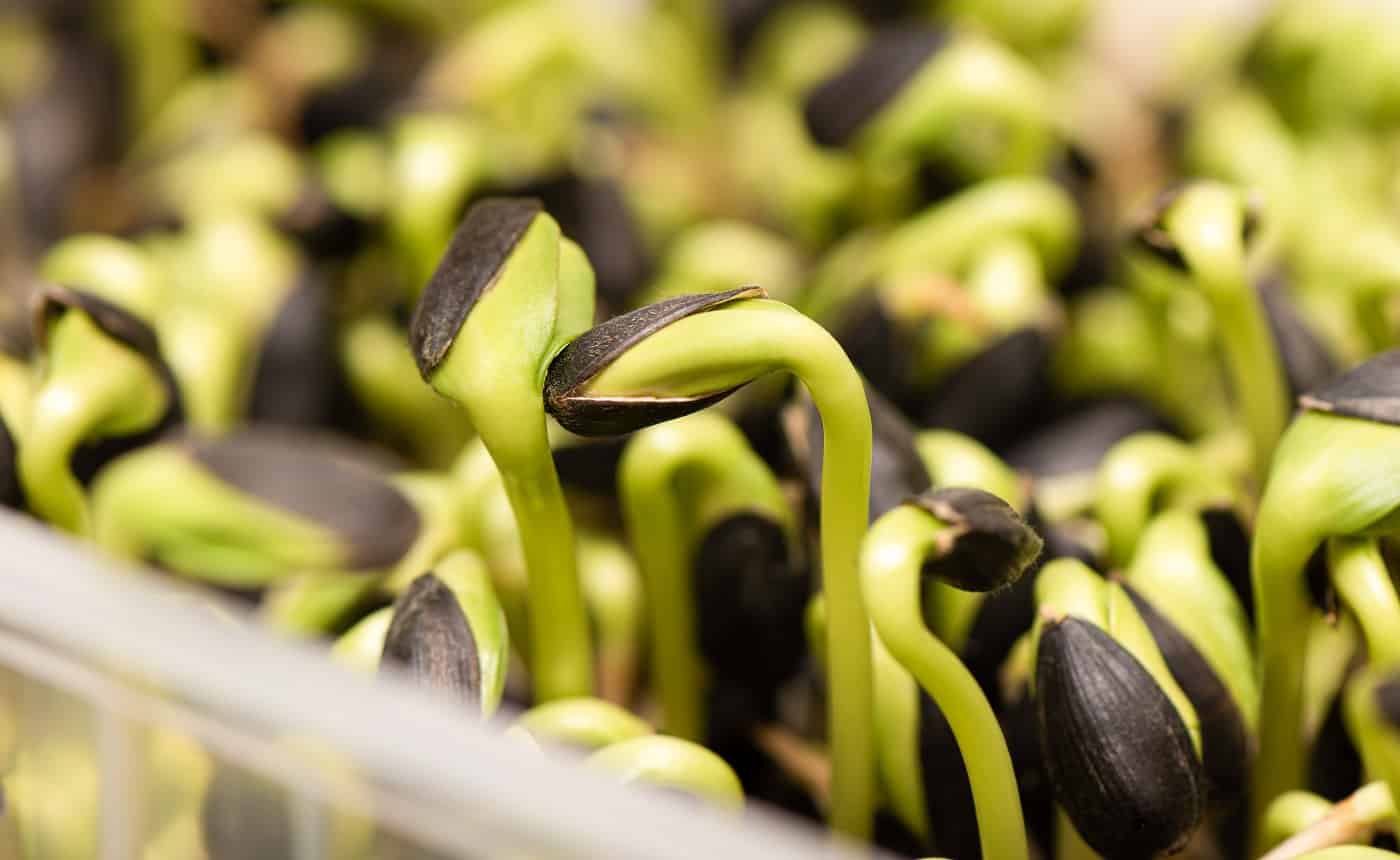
column 1117, row 751
column 479, row 249
column 322, row 479
column 1307, row 362
column 430, row 636
column 1015, row 367
column 594, row 213
column 296, row 379
column 750, row 601
column 989, row 546
column 837, row 109
column 1226, row 746
column 1229, row 549
column 576, row 366
column 1370, row 391
column 1079, row 441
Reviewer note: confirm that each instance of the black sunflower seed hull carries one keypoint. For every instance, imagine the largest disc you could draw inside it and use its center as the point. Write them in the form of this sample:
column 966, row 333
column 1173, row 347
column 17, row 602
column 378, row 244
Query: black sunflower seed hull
column 328, row 481
column 579, row 363
column 875, row 344
column 991, row 545
column 1307, row 363
column 296, row 378
column 1118, row 754
column 1079, row 440
column 993, row 394
column 593, row 212
column 1229, row 549
column 478, row 251
column 750, row 601
column 430, row 637
column 1370, row 391
column 837, row 109
column 1226, row 746
column 11, row 490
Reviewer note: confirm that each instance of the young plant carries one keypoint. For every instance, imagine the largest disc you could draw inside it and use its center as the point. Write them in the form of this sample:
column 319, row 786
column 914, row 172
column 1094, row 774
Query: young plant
column 953, row 296
column 506, row 296
column 449, row 632
column 917, row 93
column 254, row 508
column 688, row 489
column 609, row 578
column 1203, row 230
column 101, row 377
column 1120, row 739
column 675, row 357
column 977, row 542
column 1336, row 474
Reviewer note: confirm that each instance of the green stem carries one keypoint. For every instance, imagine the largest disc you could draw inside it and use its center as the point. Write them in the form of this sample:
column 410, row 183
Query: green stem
column 1359, row 574
column 1208, row 224
column 735, row 345
column 1279, row 555
column 897, row 738
column 1255, row 371
column 562, row 665
column 655, row 524
column 894, row 552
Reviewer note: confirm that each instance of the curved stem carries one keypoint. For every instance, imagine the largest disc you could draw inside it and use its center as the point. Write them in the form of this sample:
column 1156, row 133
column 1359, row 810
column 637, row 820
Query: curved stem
column 1135, row 475
column 1255, row 371
column 839, row 395
column 733, row 345
column 897, row 737
column 93, row 385
column 1359, row 574
column 1208, row 221
column 893, row 553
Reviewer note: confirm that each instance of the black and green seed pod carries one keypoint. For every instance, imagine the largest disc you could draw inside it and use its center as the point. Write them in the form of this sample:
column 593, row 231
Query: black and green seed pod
column 909, row 92
column 1119, row 738
column 573, row 375
column 256, row 507
column 1203, row 633
column 103, row 385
